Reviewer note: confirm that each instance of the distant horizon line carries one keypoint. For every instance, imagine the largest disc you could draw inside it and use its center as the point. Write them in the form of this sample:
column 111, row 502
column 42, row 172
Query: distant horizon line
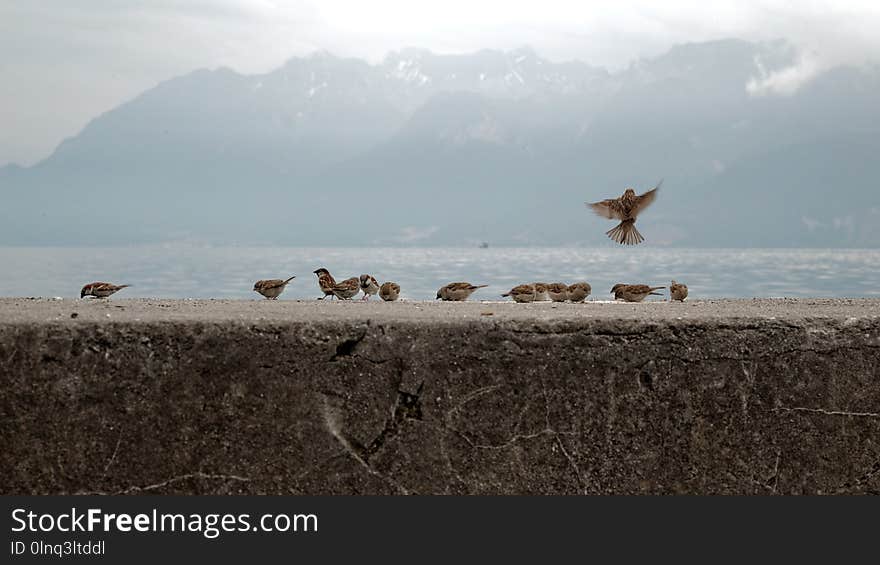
column 183, row 244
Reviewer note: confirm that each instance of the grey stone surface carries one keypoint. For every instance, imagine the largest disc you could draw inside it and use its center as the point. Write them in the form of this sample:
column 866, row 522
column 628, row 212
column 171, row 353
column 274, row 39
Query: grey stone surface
column 162, row 396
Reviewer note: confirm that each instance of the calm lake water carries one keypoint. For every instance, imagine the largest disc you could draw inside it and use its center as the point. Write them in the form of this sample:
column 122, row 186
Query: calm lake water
column 182, row 271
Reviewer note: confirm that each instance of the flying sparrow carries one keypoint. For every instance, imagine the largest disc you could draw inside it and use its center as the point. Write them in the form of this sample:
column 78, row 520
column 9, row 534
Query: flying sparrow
column 346, row 289
column 634, row 292
column 522, row 293
column 579, row 291
column 541, row 292
column 558, row 292
column 369, row 285
column 271, row 288
column 100, row 289
column 458, row 291
column 325, row 282
column 389, row 291
column 625, row 209
column 677, row 291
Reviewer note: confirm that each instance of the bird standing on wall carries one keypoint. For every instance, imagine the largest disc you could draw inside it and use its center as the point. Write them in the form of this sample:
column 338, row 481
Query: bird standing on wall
column 369, row 285
column 625, row 209
column 326, row 282
column 522, row 293
column 100, row 289
column 346, row 289
column 558, row 292
column 678, row 291
column 389, row 291
column 458, row 291
column 271, row 288
column 634, row 292
column 579, row 291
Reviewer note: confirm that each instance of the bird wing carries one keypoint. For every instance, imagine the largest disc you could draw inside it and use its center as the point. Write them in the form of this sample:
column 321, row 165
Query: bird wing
column 609, row 208
column 646, row 199
column 639, row 288
column 347, row 284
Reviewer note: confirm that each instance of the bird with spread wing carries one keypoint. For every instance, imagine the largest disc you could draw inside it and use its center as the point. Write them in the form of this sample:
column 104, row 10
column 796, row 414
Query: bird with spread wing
column 625, row 209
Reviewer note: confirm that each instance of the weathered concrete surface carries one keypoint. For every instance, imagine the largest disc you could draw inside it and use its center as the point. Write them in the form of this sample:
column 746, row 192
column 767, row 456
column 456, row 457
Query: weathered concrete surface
column 133, row 396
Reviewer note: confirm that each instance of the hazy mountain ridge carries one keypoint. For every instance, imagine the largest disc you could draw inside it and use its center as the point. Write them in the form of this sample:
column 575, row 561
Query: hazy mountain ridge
column 438, row 149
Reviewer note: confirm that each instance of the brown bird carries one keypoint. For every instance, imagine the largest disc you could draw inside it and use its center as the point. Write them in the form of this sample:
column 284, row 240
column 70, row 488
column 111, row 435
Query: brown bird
column 634, row 292
column 558, row 292
column 617, row 290
column 579, row 291
column 389, row 291
column 522, row 293
column 271, row 288
column 677, row 291
column 542, row 294
column 369, row 285
column 100, row 289
column 458, row 291
column 325, row 282
column 625, row 209
column 346, row 289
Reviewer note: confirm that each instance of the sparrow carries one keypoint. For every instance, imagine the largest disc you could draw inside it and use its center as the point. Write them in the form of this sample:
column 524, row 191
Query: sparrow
column 458, row 291
column 634, row 292
column 325, row 282
column 579, row 291
column 100, row 289
column 271, row 288
column 389, row 291
column 346, row 289
column 558, row 292
column 625, row 209
column 369, row 285
column 522, row 293
column 541, row 292
column 677, row 291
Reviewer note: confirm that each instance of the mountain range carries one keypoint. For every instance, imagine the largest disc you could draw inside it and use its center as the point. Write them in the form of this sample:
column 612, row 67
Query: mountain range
column 502, row 147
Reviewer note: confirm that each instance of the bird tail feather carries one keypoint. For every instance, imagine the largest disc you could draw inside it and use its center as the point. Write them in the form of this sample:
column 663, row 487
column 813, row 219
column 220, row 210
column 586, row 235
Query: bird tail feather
column 625, row 233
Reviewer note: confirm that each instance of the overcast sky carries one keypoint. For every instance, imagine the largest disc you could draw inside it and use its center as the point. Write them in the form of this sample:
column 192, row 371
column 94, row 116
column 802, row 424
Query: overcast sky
column 64, row 62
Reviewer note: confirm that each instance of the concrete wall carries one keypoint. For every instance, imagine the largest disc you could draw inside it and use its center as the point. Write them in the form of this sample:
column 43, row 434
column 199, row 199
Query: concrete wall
column 742, row 406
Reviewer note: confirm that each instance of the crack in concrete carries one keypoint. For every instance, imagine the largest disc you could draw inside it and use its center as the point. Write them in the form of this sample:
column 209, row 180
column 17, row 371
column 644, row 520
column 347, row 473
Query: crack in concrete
column 473, row 395
column 406, row 406
column 572, row 462
column 775, row 476
column 112, row 457
column 347, row 346
column 747, row 387
column 826, row 412
column 514, row 439
column 548, row 431
column 172, row 480
column 303, row 474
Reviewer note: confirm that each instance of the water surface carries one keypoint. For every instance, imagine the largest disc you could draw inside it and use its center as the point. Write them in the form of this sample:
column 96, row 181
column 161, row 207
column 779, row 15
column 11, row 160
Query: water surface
column 182, row 271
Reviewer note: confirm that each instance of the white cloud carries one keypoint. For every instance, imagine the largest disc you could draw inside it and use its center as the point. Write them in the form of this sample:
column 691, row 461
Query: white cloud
column 788, row 80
